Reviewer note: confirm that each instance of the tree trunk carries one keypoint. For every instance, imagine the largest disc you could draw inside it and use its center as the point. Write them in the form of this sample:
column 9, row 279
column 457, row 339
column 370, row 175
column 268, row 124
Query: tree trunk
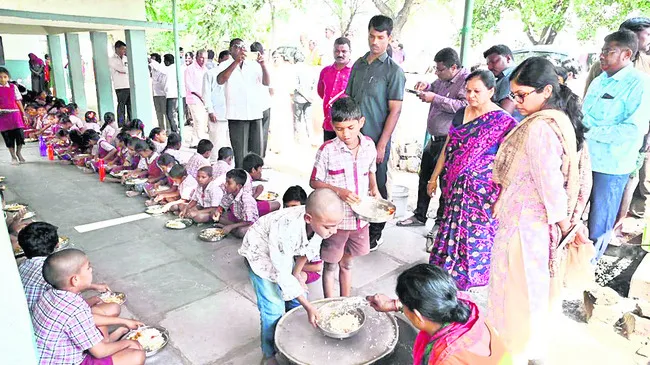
column 399, row 18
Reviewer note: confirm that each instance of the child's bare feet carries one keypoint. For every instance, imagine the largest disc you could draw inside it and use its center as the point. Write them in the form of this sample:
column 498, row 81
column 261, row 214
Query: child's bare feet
column 117, row 334
column 15, row 162
column 21, row 158
column 150, row 202
column 132, row 193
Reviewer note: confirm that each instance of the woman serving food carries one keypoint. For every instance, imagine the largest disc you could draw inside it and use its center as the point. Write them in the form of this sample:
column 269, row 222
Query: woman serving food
column 451, row 329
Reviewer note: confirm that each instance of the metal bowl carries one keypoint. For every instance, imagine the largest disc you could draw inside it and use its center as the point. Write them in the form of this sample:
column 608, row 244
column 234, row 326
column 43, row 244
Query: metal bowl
column 357, row 312
column 163, row 331
column 211, row 234
column 374, row 210
column 186, row 222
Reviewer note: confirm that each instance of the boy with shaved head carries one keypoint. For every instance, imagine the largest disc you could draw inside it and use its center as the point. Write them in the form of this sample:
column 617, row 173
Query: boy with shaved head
column 67, row 333
column 270, row 246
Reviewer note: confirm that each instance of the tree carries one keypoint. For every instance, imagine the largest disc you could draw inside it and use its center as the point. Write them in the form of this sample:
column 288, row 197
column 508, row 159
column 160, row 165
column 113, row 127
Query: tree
column 399, row 14
column 544, row 19
column 345, row 11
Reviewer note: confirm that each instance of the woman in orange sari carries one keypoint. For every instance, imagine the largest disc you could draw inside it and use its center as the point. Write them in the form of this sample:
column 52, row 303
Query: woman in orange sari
column 452, row 332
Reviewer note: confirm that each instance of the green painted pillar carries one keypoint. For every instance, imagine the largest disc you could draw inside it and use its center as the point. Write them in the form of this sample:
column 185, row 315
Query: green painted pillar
column 57, row 73
column 141, row 97
column 75, row 66
column 103, row 84
column 466, row 33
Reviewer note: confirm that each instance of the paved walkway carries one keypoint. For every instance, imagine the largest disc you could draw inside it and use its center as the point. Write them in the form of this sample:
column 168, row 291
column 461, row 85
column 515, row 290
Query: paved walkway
column 200, row 291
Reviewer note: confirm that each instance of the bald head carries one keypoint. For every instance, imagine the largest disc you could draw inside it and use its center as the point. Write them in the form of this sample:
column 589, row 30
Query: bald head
column 324, row 203
column 60, row 266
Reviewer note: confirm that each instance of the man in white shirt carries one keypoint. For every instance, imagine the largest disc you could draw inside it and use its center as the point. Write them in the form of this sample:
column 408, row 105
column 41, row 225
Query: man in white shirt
column 195, row 102
column 242, row 79
column 171, row 92
column 118, row 64
column 158, row 80
column 215, row 103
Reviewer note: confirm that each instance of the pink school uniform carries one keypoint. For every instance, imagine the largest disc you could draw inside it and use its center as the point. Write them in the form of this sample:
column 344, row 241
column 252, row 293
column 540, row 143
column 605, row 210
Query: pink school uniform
column 31, row 275
column 221, row 168
column 11, row 123
column 195, row 163
column 187, row 187
column 210, row 196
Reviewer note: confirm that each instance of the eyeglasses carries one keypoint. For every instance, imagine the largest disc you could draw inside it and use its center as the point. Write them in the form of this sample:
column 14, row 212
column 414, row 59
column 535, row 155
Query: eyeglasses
column 607, row 51
column 519, row 98
column 438, row 70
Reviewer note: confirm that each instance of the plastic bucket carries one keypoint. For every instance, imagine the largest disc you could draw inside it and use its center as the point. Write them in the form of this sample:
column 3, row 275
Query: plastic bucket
column 400, row 197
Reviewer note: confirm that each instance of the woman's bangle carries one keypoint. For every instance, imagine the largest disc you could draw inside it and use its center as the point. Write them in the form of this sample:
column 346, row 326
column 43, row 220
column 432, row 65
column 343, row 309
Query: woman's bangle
column 398, row 305
column 431, row 182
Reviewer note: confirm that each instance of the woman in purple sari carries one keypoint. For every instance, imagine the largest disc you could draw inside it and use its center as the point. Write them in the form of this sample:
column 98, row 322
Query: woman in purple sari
column 464, row 240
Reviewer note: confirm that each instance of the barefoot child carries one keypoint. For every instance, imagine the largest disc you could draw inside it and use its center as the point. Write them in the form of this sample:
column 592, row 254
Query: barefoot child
column 159, row 138
column 206, row 198
column 91, row 121
column 102, row 149
column 296, row 196
column 269, row 248
column 65, row 329
column 187, row 185
column 225, row 163
column 12, row 117
column 165, row 163
column 201, row 157
column 110, row 128
column 38, row 240
column 147, row 167
column 345, row 165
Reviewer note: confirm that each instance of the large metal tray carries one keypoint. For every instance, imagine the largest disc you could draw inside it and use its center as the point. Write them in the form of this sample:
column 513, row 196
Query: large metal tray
column 162, row 330
column 374, row 210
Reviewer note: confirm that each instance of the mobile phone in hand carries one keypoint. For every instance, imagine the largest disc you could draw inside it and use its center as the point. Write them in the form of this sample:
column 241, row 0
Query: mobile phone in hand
column 416, row 92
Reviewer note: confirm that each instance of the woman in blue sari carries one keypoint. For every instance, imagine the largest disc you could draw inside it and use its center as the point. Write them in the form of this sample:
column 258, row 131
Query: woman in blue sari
column 464, row 240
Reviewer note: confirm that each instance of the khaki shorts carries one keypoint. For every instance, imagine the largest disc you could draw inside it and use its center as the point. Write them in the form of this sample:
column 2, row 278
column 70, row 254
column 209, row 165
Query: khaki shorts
column 354, row 243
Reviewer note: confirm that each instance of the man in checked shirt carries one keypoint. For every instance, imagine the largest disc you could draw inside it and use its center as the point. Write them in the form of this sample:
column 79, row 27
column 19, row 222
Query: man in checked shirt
column 347, row 166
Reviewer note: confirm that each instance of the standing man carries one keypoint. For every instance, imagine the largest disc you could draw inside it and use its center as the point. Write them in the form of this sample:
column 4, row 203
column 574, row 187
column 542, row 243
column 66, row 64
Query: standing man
column 377, row 84
column 118, row 64
column 171, row 92
column 158, row 80
column 215, row 103
column 301, row 100
column 195, row 103
column 242, row 79
column 501, row 62
column 446, row 96
column 332, row 83
column 265, row 101
column 616, row 112
column 210, row 64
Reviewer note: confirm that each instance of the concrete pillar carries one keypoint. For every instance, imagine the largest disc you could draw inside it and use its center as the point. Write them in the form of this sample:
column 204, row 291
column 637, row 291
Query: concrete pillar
column 57, row 72
column 75, row 67
column 141, row 97
column 103, row 84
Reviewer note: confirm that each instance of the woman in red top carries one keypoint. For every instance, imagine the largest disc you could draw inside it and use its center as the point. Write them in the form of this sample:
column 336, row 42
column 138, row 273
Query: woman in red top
column 12, row 117
column 451, row 330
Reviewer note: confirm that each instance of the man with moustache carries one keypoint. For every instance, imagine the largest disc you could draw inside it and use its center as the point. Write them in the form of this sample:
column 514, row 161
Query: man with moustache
column 332, row 82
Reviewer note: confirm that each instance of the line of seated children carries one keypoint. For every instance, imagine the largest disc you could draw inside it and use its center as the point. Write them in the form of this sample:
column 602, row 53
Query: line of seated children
column 173, row 148
column 225, row 162
column 152, row 188
column 345, row 165
column 201, row 158
column 47, row 127
column 205, row 200
column 159, row 137
column 109, row 128
column 242, row 208
column 66, row 329
column 147, row 167
column 39, row 240
column 90, row 119
column 296, row 196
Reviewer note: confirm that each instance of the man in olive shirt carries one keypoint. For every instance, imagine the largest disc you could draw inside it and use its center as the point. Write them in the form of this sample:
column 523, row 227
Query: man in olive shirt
column 377, row 84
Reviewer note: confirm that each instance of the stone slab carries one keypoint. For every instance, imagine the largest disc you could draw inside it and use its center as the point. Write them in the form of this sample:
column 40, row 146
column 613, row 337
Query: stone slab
column 210, row 328
column 161, row 289
column 225, row 262
column 404, row 245
column 368, row 268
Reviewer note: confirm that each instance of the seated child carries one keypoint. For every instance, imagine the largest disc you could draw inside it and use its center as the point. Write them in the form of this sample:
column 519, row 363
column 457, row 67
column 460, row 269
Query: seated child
column 173, row 147
column 131, row 158
column 73, row 115
column 201, row 157
column 253, row 164
column 206, row 198
column 243, row 209
column 66, row 330
column 91, row 121
column 102, row 150
column 296, row 196
column 269, row 248
column 135, row 128
column 147, row 167
column 225, row 163
column 175, row 201
column 61, row 143
column 345, row 165
column 121, row 141
column 165, row 163
column 110, row 128
column 38, row 240
column 159, row 138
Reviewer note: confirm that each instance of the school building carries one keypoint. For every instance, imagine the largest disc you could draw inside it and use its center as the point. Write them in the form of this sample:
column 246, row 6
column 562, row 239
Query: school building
column 78, row 36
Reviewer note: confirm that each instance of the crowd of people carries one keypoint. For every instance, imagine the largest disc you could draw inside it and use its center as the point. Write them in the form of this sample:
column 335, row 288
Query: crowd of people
column 530, row 174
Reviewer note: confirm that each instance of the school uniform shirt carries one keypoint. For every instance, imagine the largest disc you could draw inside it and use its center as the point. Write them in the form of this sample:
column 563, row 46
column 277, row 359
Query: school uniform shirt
column 104, row 145
column 16, row 91
column 271, row 244
column 94, row 126
column 210, row 196
column 109, row 133
column 336, row 165
column 187, row 187
column 146, row 162
column 221, row 168
column 64, row 328
column 195, row 163
column 159, row 146
column 181, row 157
column 77, row 122
column 31, row 275
column 243, row 205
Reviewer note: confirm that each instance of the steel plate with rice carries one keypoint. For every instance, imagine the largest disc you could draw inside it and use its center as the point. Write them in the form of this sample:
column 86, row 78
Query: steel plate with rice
column 152, row 339
column 374, row 210
column 119, row 173
column 136, row 181
column 212, row 234
column 180, row 223
column 113, row 297
column 155, row 210
column 340, row 320
column 268, row 196
column 15, row 207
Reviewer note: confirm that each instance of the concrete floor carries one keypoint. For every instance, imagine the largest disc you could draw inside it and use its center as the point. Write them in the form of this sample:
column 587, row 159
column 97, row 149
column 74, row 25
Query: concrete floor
column 200, row 291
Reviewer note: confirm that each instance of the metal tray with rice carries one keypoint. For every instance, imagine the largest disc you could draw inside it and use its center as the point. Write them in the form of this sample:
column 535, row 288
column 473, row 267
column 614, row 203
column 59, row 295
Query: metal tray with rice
column 340, row 321
column 374, row 210
column 152, row 339
column 212, row 234
column 180, row 223
column 113, row 297
column 119, row 173
column 15, row 207
column 155, row 210
column 136, row 181
column 268, row 196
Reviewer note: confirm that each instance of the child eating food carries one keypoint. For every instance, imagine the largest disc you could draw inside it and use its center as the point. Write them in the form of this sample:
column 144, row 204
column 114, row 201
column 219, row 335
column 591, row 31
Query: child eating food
column 225, row 163
column 110, row 127
column 159, row 138
column 186, row 186
column 200, row 158
column 206, row 197
column 91, row 121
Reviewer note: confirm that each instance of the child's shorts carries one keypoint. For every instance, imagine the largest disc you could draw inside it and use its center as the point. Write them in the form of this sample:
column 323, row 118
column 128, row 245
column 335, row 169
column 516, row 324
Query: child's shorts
column 91, row 360
column 354, row 243
column 263, row 208
column 312, row 276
